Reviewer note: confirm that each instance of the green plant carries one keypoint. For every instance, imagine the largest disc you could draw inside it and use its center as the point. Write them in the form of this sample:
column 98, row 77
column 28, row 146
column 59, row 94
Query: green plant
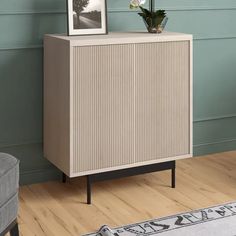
column 152, row 18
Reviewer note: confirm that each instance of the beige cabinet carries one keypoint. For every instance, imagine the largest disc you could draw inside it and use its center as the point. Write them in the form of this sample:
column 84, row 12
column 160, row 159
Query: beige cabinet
column 117, row 101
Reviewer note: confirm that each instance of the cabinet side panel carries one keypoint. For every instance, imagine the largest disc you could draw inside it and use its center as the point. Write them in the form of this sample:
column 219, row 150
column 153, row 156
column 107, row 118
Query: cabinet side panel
column 162, row 101
column 56, row 103
column 103, row 120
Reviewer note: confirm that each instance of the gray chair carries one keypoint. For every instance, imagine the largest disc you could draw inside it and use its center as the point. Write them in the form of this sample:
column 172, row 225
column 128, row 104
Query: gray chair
column 9, row 183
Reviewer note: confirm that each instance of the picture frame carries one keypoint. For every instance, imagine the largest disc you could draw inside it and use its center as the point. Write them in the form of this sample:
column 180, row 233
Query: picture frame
column 87, row 17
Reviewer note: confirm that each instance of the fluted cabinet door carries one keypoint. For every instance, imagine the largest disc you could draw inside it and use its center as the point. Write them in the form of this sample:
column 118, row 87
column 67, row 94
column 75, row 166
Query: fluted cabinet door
column 103, row 107
column 162, row 100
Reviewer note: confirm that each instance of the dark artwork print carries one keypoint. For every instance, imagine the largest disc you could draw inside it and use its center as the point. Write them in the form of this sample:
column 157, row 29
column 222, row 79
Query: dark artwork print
column 87, row 14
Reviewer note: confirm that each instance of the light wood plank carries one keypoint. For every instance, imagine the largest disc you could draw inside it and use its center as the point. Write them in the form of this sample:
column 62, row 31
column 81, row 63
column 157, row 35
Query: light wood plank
column 54, row 208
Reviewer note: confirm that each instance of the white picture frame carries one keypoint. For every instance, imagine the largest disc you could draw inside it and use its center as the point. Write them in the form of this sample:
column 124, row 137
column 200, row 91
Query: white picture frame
column 87, row 17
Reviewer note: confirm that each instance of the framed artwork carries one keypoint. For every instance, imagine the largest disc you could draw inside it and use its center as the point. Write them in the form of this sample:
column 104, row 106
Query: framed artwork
column 87, row 17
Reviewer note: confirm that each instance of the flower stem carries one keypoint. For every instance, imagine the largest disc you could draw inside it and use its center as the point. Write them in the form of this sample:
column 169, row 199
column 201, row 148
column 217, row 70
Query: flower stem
column 152, row 5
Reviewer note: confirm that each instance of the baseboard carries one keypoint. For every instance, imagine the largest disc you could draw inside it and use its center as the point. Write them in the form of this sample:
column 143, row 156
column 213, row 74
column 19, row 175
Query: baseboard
column 214, row 147
column 39, row 176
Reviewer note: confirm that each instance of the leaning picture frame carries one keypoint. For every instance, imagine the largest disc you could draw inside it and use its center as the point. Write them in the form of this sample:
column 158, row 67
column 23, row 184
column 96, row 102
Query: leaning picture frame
column 87, row 17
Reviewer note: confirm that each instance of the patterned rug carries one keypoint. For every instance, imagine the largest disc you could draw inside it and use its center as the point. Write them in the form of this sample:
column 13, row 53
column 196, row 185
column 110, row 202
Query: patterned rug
column 214, row 221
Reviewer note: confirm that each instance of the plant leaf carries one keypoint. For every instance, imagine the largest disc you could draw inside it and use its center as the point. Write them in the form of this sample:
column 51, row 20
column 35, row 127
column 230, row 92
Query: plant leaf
column 145, row 11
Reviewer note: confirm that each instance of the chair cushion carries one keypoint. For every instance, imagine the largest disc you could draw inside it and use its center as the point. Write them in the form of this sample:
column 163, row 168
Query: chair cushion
column 8, row 212
column 9, row 177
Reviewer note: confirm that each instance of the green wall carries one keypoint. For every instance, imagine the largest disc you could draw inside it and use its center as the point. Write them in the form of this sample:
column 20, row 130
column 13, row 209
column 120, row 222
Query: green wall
column 22, row 26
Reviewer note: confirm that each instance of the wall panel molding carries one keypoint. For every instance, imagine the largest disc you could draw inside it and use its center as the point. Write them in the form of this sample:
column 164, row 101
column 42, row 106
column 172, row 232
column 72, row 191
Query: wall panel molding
column 215, row 38
column 214, row 118
column 207, row 119
column 214, row 147
column 23, row 47
column 123, row 9
column 2, row 13
column 213, row 143
column 39, row 175
column 40, row 46
column 22, row 143
column 181, row 8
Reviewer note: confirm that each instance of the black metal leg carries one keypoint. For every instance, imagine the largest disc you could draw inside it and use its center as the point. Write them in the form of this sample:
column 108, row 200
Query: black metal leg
column 170, row 165
column 63, row 178
column 14, row 231
column 173, row 177
column 88, row 190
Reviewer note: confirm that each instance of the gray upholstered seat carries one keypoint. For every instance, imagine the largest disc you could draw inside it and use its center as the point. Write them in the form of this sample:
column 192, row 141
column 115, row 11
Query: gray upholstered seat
column 9, row 182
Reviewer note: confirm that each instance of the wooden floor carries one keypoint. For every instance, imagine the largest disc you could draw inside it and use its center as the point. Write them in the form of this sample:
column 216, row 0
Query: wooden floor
column 59, row 209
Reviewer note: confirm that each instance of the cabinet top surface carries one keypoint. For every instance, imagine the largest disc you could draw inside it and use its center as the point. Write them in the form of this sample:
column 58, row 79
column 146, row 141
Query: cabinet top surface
column 122, row 37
